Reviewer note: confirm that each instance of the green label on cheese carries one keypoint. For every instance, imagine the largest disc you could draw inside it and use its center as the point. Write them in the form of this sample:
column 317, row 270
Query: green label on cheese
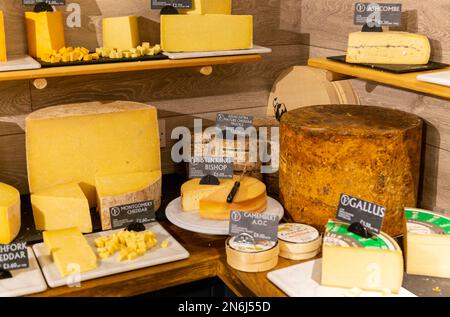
column 426, row 222
column 337, row 234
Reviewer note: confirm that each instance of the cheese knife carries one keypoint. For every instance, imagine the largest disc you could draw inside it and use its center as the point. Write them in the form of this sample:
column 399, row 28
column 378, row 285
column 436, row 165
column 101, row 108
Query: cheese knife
column 236, row 187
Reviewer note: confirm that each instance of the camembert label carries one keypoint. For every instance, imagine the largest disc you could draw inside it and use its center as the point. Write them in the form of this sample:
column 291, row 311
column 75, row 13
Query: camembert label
column 246, row 243
column 426, row 222
column 297, row 233
column 337, row 234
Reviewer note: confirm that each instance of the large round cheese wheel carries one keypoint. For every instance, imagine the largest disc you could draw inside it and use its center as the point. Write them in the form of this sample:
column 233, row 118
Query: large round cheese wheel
column 372, row 153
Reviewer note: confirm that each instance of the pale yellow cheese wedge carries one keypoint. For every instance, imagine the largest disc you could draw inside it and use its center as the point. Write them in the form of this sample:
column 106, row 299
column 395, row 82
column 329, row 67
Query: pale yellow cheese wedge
column 121, row 33
column 61, row 207
column 209, row 7
column 9, row 213
column 3, row 56
column 57, row 239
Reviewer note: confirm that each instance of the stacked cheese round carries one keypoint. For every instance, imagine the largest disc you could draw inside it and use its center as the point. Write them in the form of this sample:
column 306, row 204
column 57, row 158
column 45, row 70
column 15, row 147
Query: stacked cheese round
column 211, row 200
column 259, row 256
column 298, row 241
column 9, row 213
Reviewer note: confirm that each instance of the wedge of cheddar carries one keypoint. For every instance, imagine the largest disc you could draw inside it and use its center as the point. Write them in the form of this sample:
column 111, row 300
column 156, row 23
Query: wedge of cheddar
column 3, row 56
column 211, row 201
column 45, row 32
column 74, row 143
column 61, row 207
column 209, row 7
column 70, row 251
column 349, row 261
column 121, row 189
column 210, row 32
column 121, row 33
column 9, row 213
column 388, row 48
column 427, row 243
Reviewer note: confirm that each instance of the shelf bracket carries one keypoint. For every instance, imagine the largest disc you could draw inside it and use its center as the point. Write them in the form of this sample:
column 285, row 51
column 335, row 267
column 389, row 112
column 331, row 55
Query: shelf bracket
column 40, row 83
column 205, row 70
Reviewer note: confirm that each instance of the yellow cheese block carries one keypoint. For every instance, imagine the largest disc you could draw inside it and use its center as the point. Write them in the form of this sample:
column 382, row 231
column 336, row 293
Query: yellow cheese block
column 122, row 189
column 70, row 250
column 3, row 56
column 352, row 261
column 9, row 213
column 427, row 243
column 45, row 32
column 211, row 201
column 388, row 48
column 74, row 143
column 121, row 33
column 61, row 207
column 210, row 32
column 209, row 7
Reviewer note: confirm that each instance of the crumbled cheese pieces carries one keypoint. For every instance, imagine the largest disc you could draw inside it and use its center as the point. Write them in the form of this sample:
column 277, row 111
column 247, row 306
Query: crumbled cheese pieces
column 130, row 245
column 142, row 50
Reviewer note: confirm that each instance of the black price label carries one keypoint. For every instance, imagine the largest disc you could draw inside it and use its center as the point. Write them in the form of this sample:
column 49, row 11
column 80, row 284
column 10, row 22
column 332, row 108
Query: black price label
column 355, row 210
column 220, row 167
column 14, row 256
column 378, row 14
column 142, row 212
column 179, row 4
column 232, row 125
column 50, row 2
column 259, row 226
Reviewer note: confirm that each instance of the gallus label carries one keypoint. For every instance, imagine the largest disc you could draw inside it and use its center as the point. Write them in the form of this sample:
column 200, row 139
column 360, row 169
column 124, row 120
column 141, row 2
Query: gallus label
column 220, row 167
column 14, row 256
column 254, row 226
column 378, row 14
column 50, row 2
column 352, row 209
column 178, row 4
column 141, row 212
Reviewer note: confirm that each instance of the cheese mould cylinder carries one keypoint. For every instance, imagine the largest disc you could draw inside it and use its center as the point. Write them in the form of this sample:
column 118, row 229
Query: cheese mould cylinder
column 298, row 241
column 45, row 32
column 372, row 153
column 9, row 213
column 210, row 32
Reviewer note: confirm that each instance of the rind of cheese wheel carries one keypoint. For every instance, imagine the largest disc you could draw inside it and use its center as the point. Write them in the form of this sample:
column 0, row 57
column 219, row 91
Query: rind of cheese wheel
column 9, row 213
column 388, row 48
column 61, row 207
column 123, row 189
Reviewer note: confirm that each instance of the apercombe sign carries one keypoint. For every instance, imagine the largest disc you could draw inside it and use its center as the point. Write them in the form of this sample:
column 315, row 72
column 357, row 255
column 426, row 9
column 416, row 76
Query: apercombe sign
column 378, row 14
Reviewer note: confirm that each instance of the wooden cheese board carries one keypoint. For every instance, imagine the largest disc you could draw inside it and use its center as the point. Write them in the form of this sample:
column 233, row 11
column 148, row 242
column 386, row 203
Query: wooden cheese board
column 110, row 266
column 184, row 55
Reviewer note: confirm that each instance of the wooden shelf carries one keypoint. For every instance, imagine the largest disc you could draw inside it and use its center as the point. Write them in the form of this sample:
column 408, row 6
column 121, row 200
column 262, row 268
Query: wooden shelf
column 50, row 72
column 405, row 81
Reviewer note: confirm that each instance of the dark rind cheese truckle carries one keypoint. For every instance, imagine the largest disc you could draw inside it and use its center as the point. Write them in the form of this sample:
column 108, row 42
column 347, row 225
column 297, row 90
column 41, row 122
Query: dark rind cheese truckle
column 369, row 152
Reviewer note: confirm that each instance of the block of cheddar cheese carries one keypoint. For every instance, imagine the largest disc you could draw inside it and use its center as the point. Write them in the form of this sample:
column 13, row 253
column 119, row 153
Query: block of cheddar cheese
column 351, row 261
column 209, row 7
column 210, row 32
column 388, row 48
column 121, row 33
column 61, row 207
column 74, row 143
column 211, row 200
column 9, row 213
column 45, row 32
column 122, row 189
column 3, row 56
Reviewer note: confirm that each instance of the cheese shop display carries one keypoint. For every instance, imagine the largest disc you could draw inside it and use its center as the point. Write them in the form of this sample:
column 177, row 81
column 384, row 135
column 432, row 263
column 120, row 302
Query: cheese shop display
column 10, row 218
column 70, row 251
column 388, row 48
column 349, row 261
column 60, row 207
column 45, row 32
column 368, row 152
column 245, row 256
column 121, row 33
column 128, row 244
column 298, row 241
column 3, row 51
column 121, row 189
column 427, row 243
column 77, row 142
column 210, row 32
column 209, row 7
column 211, row 200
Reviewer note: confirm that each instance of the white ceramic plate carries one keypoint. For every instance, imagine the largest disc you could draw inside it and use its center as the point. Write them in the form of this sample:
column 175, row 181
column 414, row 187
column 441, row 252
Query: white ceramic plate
column 19, row 62
column 24, row 281
column 303, row 280
column 192, row 221
column 110, row 266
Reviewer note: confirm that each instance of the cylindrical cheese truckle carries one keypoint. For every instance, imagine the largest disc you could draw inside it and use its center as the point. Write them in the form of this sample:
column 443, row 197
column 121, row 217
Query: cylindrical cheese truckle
column 372, row 153
column 248, row 257
column 298, row 241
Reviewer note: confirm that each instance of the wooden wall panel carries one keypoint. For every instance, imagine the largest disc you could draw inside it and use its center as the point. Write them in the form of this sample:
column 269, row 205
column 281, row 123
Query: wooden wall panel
column 13, row 162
